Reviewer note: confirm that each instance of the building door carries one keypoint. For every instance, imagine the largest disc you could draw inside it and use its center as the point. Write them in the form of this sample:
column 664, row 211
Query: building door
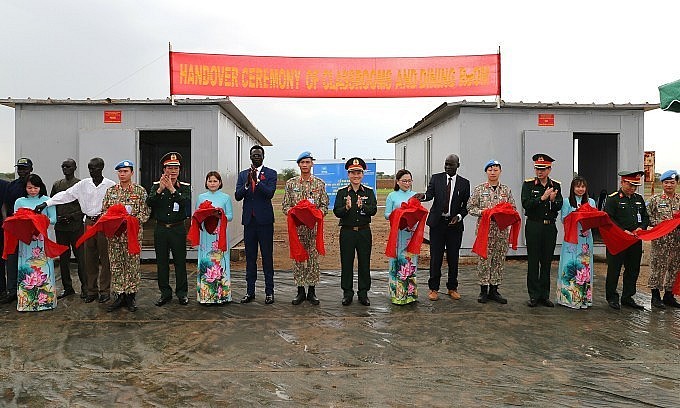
column 597, row 162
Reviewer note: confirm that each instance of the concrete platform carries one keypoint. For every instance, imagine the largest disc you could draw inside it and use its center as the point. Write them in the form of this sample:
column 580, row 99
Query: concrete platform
column 445, row 353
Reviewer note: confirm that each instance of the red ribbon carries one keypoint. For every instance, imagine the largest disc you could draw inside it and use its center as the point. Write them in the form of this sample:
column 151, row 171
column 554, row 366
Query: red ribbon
column 304, row 213
column 208, row 216
column 23, row 226
column 504, row 215
column 115, row 221
column 408, row 215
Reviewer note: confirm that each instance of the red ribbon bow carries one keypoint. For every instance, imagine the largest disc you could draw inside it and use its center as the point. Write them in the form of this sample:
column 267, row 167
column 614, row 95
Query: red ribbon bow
column 115, row 221
column 23, row 226
column 304, row 213
column 411, row 214
column 505, row 215
column 208, row 216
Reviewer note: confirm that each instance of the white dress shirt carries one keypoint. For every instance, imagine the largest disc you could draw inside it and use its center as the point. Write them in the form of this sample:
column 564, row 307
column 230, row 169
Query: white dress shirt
column 89, row 196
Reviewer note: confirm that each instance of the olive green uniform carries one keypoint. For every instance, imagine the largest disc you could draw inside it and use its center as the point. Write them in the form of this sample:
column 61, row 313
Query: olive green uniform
column 355, row 236
column 629, row 213
column 540, row 233
column 170, row 211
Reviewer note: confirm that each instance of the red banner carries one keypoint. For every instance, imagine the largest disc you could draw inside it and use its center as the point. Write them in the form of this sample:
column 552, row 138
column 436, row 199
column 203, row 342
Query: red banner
column 242, row 75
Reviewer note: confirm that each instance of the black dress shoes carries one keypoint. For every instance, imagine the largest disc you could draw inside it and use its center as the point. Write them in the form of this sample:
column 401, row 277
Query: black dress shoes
column 532, row 303
column 162, row 300
column 90, row 298
column 83, row 295
column 347, row 300
column 104, row 298
column 269, row 299
column 183, row 300
column 631, row 303
column 67, row 292
column 364, row 301
column 248, row 298
column 614, row 304
column 547, row 303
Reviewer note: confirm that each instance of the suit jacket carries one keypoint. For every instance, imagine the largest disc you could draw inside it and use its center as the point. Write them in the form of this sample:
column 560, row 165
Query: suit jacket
column 257, row 205
column 436, row 190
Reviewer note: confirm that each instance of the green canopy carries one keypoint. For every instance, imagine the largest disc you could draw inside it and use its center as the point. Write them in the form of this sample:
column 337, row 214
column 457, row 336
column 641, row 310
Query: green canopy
column 670, row 96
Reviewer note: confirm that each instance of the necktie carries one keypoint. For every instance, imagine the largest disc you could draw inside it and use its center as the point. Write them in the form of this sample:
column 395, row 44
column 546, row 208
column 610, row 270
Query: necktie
column 448, row 196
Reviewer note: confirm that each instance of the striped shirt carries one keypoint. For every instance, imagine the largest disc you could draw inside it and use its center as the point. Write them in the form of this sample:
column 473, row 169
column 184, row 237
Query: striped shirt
column 88, row 195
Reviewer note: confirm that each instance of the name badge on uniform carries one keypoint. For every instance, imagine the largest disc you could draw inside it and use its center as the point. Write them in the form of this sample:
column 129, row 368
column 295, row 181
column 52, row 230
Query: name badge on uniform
column 639, row 218
column 128, row 208
column 175, row 207
column 311, row 200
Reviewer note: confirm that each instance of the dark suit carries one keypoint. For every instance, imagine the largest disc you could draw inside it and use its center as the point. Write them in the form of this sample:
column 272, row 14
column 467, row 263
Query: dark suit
column 443, row 237
column 258, row 225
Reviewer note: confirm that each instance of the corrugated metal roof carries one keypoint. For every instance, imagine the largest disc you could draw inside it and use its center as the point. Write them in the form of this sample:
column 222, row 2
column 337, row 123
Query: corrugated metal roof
column 449, row 108
column 224, row 103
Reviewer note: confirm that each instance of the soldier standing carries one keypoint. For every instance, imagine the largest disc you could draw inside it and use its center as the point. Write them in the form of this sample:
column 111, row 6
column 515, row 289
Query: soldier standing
column 626, row 209
column 125, row 275
column 170, row 200
column 355, row 205
column 541, row 200
column 664, row 256
column 485, row 196
column 306, row 187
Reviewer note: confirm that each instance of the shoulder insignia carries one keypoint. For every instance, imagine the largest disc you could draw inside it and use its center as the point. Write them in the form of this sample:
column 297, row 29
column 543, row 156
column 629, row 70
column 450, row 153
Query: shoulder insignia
column 157, row 182
column 613, row 194
column 366, row 187
column 556, row 181
column 528, row 180
column 184, row 184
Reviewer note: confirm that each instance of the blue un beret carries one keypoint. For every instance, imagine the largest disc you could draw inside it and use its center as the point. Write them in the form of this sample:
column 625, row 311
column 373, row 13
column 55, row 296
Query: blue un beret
column 125, row 163
column 670, row 174
column 304, row 155
column 492, row 163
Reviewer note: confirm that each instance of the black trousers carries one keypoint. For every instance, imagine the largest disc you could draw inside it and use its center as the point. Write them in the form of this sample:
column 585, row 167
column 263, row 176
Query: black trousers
column 255, row 235
column 355, row 242
column 630, row 260
column 69, row 239
column 444, row 239
column 540, row 240
column 165, row 240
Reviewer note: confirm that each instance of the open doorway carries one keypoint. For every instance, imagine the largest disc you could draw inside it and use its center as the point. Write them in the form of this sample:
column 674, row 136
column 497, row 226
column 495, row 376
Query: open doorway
column 153, row 144
column 597, row 161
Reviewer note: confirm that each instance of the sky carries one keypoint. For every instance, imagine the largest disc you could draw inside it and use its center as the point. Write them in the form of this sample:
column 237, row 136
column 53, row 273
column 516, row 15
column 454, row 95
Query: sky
column 576, row 51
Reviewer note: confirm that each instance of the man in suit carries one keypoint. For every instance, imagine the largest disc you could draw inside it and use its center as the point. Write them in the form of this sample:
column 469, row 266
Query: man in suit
column 451, row 193
column 256, row 187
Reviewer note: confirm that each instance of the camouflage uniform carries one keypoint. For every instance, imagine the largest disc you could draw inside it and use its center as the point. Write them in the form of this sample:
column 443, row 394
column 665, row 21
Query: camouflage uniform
column 484, row 196
column 306, row 273
column 125, row 276
column 664, row 255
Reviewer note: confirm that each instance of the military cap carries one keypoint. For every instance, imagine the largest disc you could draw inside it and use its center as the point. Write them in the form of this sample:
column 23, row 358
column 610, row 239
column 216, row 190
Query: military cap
column 125, row 163
column 542, row 161
column 171, row 159
column 304, row 155
column 633, row 177
column 355, row 163
column 669, row 175
column 24, row 162
column 492, row 163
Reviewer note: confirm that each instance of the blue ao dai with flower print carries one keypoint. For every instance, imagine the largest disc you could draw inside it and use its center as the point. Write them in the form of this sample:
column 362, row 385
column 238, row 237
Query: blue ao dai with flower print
column 36, row 289
column 402, row 274
column 213, row 280
column 576, row 270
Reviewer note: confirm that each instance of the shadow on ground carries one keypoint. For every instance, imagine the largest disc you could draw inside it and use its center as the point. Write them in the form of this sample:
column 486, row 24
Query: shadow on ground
column 444, row 353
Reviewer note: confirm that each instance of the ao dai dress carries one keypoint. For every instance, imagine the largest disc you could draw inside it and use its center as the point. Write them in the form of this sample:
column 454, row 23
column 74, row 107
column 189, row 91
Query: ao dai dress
column 402, row 274
column 36, row 288
column 575, row 273
column 213, row 280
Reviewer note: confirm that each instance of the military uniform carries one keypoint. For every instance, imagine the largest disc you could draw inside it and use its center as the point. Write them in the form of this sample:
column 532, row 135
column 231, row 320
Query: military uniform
column 170, row 211
column 355, row 235
column 629, row 213
column 540, row 231
column 664, row 258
